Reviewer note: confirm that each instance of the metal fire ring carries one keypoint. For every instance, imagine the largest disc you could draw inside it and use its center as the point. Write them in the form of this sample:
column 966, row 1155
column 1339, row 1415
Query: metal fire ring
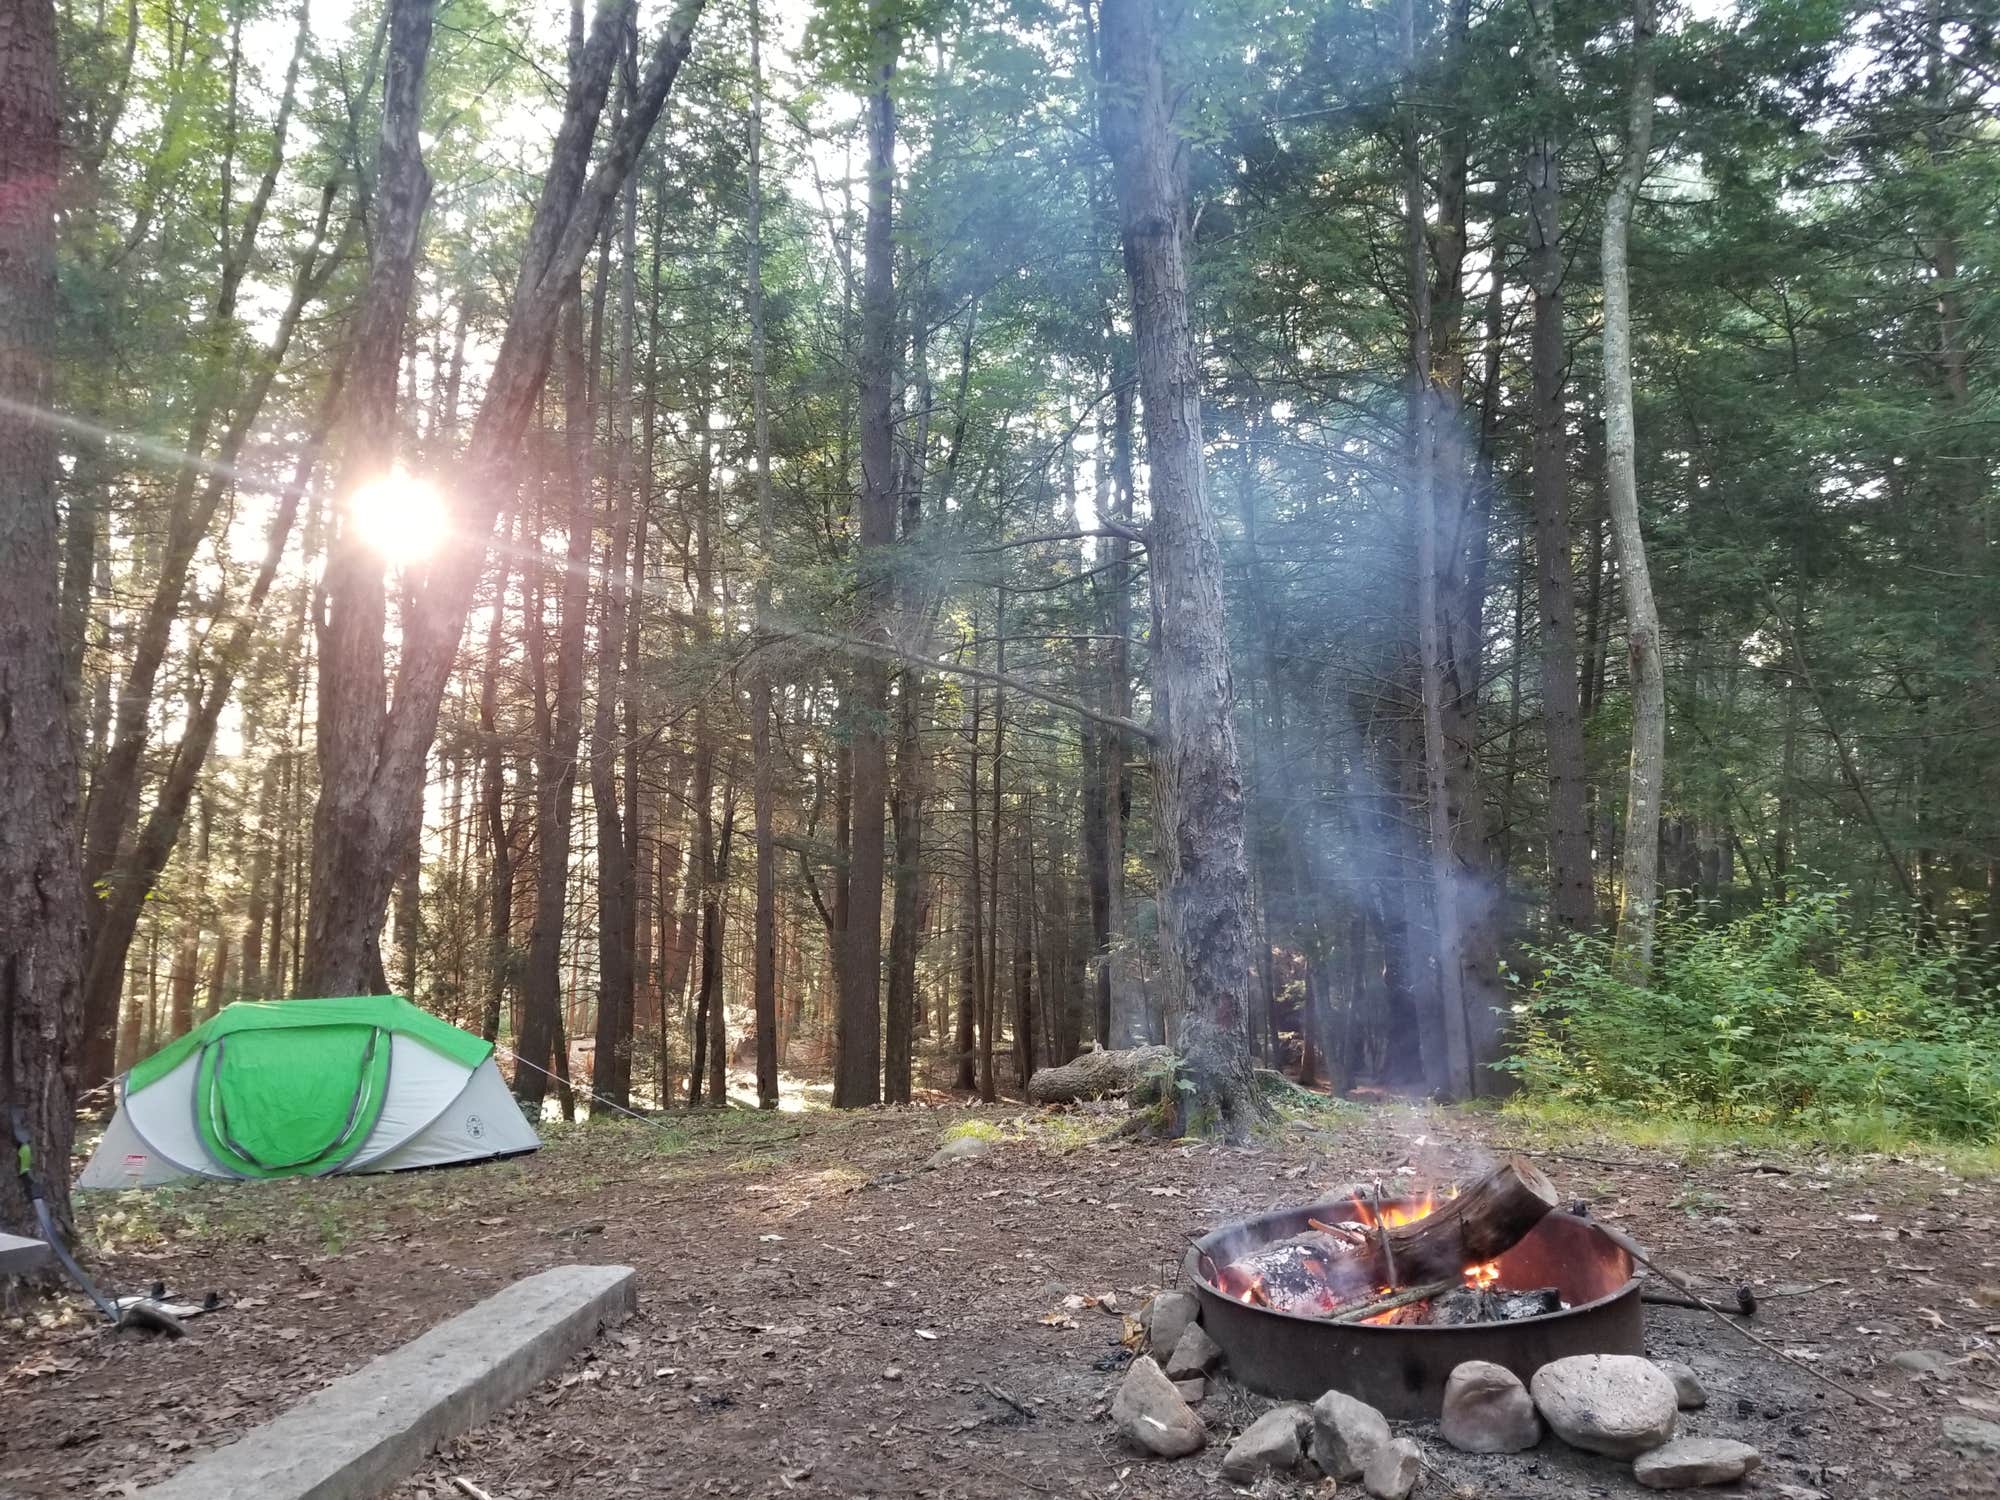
column 1401, row 1369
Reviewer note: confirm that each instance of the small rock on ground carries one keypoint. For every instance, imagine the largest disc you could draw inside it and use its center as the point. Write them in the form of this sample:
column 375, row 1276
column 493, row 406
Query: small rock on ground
column 1271, row 1444
column 963, row 1148
column 1167, row 1317
column 1971, row 1432
column 1488, row 1410
column 1149, row 1411
column 1192, row 1389
column 1688, row 1389
column 1346, row 1434
column 1919, row 1361
column 1195, row 1354
column 1616, row 1404
column 1688, row 1462
column 1393, row 1470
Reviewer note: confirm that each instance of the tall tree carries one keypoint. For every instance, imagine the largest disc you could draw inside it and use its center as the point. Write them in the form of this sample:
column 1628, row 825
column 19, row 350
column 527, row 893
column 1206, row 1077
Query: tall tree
column 1639, row 899
column 858, row 1062
column 611, row 1062
column 764, row 792
column 344, row 950
column 1197, row 775
column 41, row 886
column 1572, row 895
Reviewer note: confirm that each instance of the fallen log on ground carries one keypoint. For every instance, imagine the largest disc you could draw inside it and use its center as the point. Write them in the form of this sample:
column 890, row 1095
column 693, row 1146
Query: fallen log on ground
column 1097, row 1074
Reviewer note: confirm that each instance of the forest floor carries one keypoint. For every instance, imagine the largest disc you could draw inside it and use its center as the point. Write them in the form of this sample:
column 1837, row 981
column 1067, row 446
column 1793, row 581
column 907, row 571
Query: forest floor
column 802, row 1332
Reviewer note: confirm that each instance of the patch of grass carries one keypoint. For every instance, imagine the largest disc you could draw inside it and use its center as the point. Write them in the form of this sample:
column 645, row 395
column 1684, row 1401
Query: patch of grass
column 975, row 1130
column 1552, row 1124
column 1067, row 1131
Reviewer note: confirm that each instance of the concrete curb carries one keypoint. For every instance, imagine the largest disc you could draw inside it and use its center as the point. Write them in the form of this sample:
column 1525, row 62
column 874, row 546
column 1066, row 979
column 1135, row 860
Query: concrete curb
column 363, row 1433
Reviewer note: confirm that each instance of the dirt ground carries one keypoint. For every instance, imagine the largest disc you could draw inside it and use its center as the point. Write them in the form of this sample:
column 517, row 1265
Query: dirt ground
column 812, row 1323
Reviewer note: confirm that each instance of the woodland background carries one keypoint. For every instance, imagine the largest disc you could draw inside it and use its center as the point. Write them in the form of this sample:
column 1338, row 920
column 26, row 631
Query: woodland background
column 895, row 224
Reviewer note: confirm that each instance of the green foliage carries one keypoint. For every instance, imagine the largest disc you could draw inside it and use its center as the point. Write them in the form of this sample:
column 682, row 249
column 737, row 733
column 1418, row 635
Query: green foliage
column 1791, row 1013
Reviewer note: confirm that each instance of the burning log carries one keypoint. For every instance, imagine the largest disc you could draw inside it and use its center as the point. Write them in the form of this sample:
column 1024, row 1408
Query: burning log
column 1481, row 1224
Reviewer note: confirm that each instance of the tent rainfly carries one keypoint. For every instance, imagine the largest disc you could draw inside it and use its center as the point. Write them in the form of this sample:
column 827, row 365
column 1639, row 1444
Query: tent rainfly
column 309, row 1088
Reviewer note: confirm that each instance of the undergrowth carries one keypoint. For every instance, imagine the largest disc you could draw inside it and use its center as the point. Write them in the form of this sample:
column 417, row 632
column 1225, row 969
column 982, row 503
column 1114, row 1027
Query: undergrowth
column 1792, row 1016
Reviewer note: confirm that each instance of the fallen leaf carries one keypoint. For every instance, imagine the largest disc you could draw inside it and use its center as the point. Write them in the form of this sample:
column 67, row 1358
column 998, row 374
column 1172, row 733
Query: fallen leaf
column 925, row 1333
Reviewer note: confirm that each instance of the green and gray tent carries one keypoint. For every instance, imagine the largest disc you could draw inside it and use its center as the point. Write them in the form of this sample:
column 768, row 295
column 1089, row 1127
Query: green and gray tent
column 308, row 1088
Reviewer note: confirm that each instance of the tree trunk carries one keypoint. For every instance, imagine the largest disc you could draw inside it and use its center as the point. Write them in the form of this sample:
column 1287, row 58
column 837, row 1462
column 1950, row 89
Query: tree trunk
column 41, row 887
column 559, row 730
column 493, row 807
column 858, row 1063
column 972, row 963
column 343, row 941
column 1205, row 884
column 1572, row 892
column 764, row 793
column 707, row 844
column 1450, row 1070
column 1638, row 905
column 611, row 1061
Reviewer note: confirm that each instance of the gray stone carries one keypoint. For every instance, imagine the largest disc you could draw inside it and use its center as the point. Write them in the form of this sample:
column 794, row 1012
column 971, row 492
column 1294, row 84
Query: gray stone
column 1688, row 1390
column 1167, row 1317
column 1919, row 1361
column 1616, row 1404
column 1346, row 1434
column 360, row 1436
column 1271, row 1444
column 18, row 1256
column 1195, row 1354
column 1394, row 1470
column 1488, row 1410
column 960, row 1148
column 1971, row 1432
column 1192, row 1389
column 1689, row 1462
column 1149, row 1411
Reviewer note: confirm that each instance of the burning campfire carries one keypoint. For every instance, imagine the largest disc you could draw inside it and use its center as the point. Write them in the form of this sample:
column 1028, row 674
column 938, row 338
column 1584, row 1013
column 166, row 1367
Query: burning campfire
column 1424, row 1260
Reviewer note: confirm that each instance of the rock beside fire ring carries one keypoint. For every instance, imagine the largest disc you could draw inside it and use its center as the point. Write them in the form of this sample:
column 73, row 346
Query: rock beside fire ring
column 1271, row 1444
column 1688, row 1462
column 1488, row 1410
column 1167, row 1317
column 1616, row 1404
column 1149, row 1411
column 1194, row 1354
column 1393, row 1470
column 1346, row 1434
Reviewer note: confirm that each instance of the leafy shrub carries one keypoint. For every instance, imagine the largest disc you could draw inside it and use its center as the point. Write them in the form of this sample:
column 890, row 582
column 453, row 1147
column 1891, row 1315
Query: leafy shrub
column 1788, row 1014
